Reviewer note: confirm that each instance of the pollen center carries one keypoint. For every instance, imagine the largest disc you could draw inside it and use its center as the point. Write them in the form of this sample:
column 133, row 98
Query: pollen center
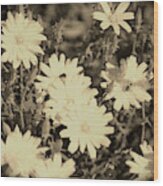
column 85, row 128
column 113, row 19
column 19, row 40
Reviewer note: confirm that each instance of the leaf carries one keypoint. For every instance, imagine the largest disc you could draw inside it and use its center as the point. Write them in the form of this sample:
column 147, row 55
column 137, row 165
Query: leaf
column 56, row 146
column 139, row 19
column 46, row 129
column 6, row 129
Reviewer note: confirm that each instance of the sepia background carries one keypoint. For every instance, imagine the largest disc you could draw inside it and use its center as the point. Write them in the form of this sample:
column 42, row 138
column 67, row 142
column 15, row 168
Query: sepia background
column 70, row 29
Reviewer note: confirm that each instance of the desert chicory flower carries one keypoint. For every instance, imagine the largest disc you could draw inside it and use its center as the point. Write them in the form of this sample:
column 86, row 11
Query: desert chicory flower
column 55, row 168
column 87, row 127
column 21, row 152
column 128, row 84
column 114, row 19
column 142, row 165
column 58, row 67
column 20, row 40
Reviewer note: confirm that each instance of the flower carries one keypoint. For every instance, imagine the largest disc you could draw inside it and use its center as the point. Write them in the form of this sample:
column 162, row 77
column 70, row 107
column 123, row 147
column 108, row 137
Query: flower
column 56, row 69
column 67, row 93
column 142, row 165
column 20, row 40
column 114, row 19
column 21, row 152
column 54, row 168
column 129, row 84
column 87, row 128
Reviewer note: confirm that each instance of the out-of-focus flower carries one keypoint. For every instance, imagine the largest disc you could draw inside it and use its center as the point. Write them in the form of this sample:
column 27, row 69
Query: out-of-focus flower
column 142, row 165
column 74, row 29
column 20, row 40
column 57, row 68
column 129, row 84
column 116, row 18
column 54, row 168
column 87, row 128
column 21, row 152
column 67, row 93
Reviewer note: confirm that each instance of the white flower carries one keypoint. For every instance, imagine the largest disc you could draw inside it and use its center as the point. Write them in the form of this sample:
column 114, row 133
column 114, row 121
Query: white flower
column 21, row 152
column 54, row 168
column 142, row 165
column 87, row 128
column 116, row 18
column 20, row 40
column 129, row 84
column 55, row 69
column 67, row 93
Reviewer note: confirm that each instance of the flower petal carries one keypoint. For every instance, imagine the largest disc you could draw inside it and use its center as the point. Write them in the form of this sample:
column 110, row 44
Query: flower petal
column 73, row 146
column 100, row 16
column 116, row 28
column 91, row 150
column 105, row 24
column 106, row 8
column 127, row 16
column 125, row 26
column 122, row 7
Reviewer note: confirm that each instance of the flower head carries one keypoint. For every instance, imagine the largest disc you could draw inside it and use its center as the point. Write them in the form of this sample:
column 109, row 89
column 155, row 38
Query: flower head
column 57, row 68
column 54, row 168
column 20, row 40
column 21, row 152
column 114, row 19
column 128, row 84
column 87, row 128
column 142, row 165
column 68, row 93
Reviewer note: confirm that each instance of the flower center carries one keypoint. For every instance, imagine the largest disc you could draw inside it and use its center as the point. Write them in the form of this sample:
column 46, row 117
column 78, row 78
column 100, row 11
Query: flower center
column 19, row 40
column 85, row 128
column 113, row 18
column 126, row 86
column 69, row 100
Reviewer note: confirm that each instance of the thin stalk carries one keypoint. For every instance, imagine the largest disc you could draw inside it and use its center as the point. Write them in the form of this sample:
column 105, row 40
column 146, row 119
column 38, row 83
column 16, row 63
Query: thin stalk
column 143, row 124
column 21, row 98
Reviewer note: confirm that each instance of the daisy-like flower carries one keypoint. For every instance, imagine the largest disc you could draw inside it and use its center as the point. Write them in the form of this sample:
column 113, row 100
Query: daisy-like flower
column 55, row 168
column 20, row 40
column 142, row 165
column 57, row 67
column 87, row 128
column 116, row 18
column 21, row 152
column 67, row 93
column 129, row 84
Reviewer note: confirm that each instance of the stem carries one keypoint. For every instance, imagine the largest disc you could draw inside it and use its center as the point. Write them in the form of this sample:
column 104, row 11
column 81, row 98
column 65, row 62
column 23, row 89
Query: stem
column 143, row 124
column 22, row 98
column 134, row 46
